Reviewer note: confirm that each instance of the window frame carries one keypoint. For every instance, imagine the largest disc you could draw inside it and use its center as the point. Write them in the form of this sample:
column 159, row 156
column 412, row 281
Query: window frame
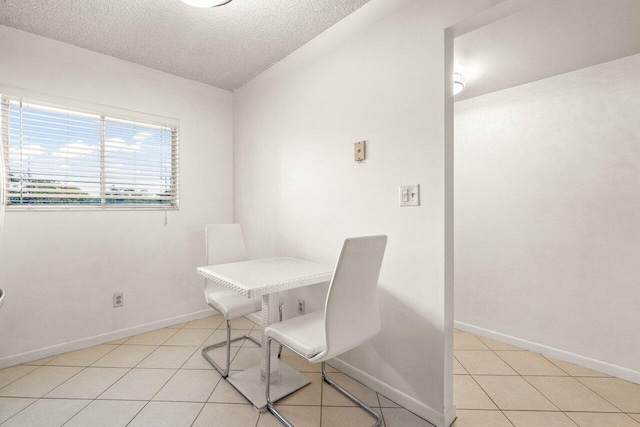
column 105, row 114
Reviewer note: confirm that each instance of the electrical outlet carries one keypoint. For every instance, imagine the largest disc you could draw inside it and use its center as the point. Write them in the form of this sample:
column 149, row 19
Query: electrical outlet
column 300, row 306
column 118, row 299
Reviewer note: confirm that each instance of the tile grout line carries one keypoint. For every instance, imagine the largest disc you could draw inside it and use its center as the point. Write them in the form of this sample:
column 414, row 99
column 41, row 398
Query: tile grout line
column 379, row 406
column 196, row 349
column 465, row 369
column 568, row 376
column 132, row 368
column 507, row 418
column 521, row 376
column 43, row 396
column 21, row 376
column 171, row 377
column 474, row 380
column 137, row 413
column 95, row 398
column 221, row 378
column 37, row 367
column 595, row 412
column 36, row 399
column 321, row 396
column 556, row 365
column 485, row 392
column 598, row 394
column 100, row 394
column 517, row 375
column 497, row 406
column 81, row 409
column 214, row 387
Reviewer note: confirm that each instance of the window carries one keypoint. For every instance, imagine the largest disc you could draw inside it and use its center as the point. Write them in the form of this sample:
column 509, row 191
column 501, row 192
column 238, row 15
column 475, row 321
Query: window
column 57, row 157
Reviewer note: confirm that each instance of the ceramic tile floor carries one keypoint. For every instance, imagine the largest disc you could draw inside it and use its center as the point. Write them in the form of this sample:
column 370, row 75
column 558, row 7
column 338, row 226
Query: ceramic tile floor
column 160, row 378
column 498, row 385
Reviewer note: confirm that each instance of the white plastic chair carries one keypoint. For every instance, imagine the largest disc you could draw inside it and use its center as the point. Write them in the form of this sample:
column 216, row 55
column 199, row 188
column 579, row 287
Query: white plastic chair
column 224, row 244
column 350, row 318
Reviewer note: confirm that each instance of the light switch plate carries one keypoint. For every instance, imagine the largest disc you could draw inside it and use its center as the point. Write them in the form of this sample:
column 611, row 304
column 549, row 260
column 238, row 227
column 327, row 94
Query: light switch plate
column 410, row 195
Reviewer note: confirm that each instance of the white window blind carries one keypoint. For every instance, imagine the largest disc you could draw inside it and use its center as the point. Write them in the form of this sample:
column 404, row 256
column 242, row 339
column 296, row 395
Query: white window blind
column 58, row 157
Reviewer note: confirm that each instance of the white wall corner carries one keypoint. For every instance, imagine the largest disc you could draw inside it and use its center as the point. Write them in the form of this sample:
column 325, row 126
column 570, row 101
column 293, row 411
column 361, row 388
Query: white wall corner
column 450, row 416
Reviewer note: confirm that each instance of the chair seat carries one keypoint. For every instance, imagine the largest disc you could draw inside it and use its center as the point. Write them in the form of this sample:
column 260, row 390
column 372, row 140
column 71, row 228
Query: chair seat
column 231, row 304
column 305, row 334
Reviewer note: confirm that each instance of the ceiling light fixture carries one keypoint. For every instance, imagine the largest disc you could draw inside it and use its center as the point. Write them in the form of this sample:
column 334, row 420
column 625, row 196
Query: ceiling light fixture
column 206, row 3
column 458, row 83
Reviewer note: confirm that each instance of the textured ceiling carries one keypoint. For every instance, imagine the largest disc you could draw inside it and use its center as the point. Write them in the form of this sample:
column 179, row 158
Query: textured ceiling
column 224, row 46
column 550, row 38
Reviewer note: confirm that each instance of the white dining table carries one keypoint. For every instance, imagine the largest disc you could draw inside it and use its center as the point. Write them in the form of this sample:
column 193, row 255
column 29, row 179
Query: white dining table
column 266, row 278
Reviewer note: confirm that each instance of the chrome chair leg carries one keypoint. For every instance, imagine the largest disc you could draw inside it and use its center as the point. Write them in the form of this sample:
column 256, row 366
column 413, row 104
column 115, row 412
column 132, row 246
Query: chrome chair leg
column 280, row 311
column 228, row 341
column 350, row 396
column 270, row 406
column 326, row 379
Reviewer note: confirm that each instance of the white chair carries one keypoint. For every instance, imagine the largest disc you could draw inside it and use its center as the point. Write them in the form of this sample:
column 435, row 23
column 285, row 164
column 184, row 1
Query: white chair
column 224, row 244
column 350, row 318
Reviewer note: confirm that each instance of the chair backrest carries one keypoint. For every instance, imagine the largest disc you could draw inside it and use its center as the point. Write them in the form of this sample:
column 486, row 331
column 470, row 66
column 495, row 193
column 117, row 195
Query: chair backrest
column 351, row 314
column 224, row 243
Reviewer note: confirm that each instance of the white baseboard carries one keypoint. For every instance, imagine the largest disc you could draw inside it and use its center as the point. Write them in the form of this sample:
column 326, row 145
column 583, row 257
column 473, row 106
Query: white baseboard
column 53, row 350
column 428, row 413
column 597, row 365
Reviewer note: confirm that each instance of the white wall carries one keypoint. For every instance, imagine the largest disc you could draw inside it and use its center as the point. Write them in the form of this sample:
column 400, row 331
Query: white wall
column 547, row 38
column 60, row 269
column 379, row 76
column 547, row 193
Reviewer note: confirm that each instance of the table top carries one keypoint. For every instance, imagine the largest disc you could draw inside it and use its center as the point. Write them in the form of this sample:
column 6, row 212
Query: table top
column 266, row 276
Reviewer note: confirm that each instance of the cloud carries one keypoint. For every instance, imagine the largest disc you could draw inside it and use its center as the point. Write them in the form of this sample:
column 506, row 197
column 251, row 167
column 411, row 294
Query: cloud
column 118, row 144
column 27, row 150
column 142, row 135
column 75, row 149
